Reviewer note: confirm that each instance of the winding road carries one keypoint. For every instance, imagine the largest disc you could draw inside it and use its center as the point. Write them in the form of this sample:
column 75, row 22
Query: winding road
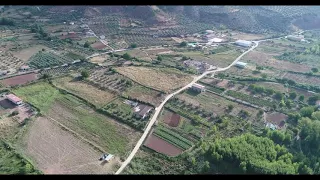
column 158, row 109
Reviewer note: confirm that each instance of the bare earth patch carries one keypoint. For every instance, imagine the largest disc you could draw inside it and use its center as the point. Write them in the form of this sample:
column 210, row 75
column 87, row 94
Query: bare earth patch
column 56, row 151
column 159, row 79
column 162, row 146
column 19, row 80
column 25, row 54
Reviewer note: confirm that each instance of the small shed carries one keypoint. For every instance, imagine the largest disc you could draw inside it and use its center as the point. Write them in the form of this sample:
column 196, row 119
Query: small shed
column 198, row 87
column 241, row 64
column 244, row 43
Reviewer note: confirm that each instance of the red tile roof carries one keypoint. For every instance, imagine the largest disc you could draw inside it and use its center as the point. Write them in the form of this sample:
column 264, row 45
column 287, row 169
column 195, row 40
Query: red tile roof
column 13, row 98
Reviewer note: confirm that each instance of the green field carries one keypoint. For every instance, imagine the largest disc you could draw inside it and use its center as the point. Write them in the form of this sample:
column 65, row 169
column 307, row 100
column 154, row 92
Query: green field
column 95, row 127
column 41, row 95
column 173, row 138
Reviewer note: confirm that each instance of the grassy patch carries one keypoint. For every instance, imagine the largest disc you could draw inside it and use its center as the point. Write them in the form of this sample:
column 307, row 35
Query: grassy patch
column 97, row 128
column 41, row 95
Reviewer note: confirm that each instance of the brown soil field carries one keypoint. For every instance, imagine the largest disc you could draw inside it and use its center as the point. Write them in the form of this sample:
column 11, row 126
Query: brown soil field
column 98, row 59
column 159, row 79
column 19, row 80
column 172, row 119
column 25, row 54
column 159, row 145
column 92, row 94
column 98, row 45
column 303, row 79
column 145, row 94
column 57, row 151
column 248, row 37
column 264, row 59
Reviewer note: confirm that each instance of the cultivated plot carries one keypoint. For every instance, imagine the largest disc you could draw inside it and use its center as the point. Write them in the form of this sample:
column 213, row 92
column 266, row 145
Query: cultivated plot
column 158, row 78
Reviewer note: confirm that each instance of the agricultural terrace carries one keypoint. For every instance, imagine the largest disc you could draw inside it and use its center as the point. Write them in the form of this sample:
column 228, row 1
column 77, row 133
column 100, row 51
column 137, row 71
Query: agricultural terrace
column 9, row 62
column 57, row 151
column 211, row 103
column 254, row 71
column 268, row 54
column 220, row 59
column 19, row 80
column 27, row 53
column 104, row 60
column 162, row 79
column 144, row 94
column 94, row 95
column 106, row 133
column 125, row 113
column 109, row 79
column 47, row 59
column 303, row 79
column 137, row 53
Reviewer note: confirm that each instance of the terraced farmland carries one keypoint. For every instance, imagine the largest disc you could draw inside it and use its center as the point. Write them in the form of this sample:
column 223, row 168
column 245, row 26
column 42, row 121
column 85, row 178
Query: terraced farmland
column 44, row 60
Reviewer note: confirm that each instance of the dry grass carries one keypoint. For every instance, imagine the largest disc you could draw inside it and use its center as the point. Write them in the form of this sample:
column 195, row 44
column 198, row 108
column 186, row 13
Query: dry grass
column 157, row 78
column 145, row 94
column 25, row 54
column 92, row 94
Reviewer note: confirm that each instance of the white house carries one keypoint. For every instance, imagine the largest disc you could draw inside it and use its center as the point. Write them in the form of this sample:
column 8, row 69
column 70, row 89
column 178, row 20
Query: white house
column 244, row 43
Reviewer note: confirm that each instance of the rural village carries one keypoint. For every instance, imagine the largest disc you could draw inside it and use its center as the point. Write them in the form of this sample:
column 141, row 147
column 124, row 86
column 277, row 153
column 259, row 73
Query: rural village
column 104, row 94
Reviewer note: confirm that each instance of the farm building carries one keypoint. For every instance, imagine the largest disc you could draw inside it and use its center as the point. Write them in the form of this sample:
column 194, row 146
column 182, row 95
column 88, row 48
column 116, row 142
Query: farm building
column 14, row 99
column 23, row 68
column 107, row 157
column 198, row 87
column 102, row 37
column 244, row 43
column 278, row 120
column 71, row 23
column 295, row 37
column 131, row 103
column 241, row 64
column 142, row 111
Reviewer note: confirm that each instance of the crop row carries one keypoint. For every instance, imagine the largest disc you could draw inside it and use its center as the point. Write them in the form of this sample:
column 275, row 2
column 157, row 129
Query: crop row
column 171, row 139
column 172, row 133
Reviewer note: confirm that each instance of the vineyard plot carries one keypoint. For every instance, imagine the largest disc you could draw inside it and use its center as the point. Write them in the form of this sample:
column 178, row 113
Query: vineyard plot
column 47, row 59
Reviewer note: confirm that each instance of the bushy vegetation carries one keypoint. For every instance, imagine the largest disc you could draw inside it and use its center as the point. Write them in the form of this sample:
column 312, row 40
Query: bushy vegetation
column 250, row 99
column 252, row 154
column 13, row 163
